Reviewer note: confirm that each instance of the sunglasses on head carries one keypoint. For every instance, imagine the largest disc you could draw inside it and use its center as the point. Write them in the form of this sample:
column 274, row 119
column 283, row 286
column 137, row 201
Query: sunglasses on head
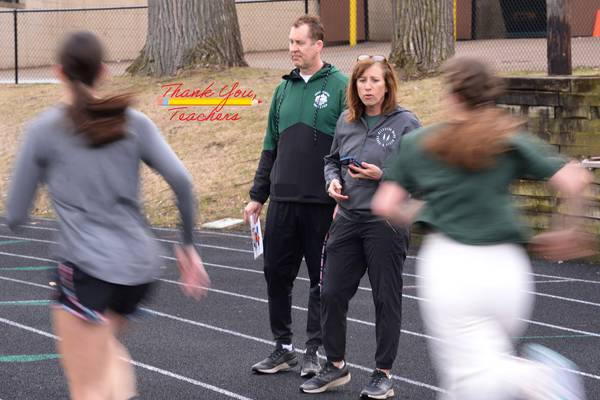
column 376, row 58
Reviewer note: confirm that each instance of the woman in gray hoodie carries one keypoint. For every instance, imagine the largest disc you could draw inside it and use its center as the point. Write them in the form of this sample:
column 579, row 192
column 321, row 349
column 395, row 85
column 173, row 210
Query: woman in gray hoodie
column 88, row 151
column 365, row 136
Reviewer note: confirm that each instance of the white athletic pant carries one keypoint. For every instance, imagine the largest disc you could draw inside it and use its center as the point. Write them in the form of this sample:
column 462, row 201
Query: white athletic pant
column 474, row 297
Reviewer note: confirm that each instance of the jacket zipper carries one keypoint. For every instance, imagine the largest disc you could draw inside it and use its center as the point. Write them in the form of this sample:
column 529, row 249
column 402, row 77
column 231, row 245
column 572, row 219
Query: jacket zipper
column 367, row 134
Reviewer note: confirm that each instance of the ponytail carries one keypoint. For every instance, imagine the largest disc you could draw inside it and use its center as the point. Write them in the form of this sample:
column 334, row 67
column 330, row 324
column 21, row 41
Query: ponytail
column 101, row 120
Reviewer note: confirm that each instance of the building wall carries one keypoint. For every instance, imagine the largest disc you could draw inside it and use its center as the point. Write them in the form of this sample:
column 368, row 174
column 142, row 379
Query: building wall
column 264, row 27
column 380, row 20
column 583, row 15
column 464, row 12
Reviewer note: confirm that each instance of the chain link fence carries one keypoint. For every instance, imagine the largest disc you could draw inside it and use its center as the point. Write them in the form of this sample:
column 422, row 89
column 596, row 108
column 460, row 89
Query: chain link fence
column 29, row 38
column 508, row 33
column 512, row 33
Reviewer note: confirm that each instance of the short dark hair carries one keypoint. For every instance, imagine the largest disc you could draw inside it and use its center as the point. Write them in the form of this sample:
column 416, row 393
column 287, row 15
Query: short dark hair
column 315, row 27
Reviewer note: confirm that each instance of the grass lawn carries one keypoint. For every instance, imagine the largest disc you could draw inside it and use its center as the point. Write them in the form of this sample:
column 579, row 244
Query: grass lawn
column 221, row 155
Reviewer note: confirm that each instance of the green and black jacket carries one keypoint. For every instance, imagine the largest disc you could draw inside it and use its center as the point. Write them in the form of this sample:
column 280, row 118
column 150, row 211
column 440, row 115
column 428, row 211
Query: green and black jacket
column 300, row 130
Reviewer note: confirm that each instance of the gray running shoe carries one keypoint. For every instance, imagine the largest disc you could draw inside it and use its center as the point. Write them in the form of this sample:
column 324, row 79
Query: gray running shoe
column 310, row 362
column 380, row 386
column 279, row 360
column 328, row 378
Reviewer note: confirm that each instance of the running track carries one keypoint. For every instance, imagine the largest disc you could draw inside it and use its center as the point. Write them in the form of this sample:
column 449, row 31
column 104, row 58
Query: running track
column 197, row 350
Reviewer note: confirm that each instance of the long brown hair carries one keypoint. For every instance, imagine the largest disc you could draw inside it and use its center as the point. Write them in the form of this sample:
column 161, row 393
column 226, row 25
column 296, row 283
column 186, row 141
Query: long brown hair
column 356, row 108
column 473, row 143
column 100, row 119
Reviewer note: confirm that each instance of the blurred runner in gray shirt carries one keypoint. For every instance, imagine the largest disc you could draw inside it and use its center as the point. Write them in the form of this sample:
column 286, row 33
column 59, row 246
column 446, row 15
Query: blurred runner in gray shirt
column 88, row 152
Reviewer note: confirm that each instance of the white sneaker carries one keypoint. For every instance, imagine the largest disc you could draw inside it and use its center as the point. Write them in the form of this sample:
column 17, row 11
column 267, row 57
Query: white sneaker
column 565, row 385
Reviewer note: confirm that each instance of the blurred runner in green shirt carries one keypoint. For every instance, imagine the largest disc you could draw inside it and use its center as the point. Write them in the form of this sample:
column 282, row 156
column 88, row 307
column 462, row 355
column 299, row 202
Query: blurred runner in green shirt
column 473, row 270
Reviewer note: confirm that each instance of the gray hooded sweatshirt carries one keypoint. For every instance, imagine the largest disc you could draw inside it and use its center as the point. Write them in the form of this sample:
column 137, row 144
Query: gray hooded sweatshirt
column 373, row 146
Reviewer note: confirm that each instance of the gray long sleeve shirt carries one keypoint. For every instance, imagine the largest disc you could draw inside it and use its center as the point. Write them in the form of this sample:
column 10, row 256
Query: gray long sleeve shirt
column 94, row 192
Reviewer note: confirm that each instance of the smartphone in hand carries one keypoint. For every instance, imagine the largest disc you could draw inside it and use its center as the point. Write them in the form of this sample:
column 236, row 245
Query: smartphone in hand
column 347, row 160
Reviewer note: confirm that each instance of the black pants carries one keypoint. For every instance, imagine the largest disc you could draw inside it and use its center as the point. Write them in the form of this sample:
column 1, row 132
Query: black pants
column 352, row 249
column 294, row 230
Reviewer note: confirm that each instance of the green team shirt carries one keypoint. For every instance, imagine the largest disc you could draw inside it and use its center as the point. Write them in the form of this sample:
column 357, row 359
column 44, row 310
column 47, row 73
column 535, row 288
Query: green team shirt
column 471, row 207
column 372, row 120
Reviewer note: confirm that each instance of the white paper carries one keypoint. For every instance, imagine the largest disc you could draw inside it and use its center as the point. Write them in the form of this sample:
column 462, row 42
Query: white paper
column 257, row 237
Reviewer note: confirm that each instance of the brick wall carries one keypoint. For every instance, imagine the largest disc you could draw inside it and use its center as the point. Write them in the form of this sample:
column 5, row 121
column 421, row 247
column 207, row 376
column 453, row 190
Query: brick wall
column 564, row 111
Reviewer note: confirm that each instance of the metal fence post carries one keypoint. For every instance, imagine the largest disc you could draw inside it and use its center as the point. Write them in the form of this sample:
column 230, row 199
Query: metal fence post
column 16, row 47
column 366, row 4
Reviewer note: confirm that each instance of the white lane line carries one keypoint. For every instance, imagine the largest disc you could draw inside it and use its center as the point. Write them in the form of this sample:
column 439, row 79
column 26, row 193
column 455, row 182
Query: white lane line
column 567, row 278
column 30, row 239
column 189, row 380
column 139, row 364
column 250, row 270
column 265, row 301
column 561, row 328
column 271, row 343
column 255, row 271
column 589, row 303
column 2, row 253
column 573, row 371
column 242, row 296
column 260, row 340
column 568, row 299
column 27, row 328
column 554, row 278
column 220, row 330
column 209, row 246
column 4, row 278
column 154, row 228
column 268, row 342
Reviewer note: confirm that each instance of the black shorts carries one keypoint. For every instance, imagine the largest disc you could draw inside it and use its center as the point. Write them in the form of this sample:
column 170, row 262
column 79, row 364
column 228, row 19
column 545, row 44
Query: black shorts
column 89, row 298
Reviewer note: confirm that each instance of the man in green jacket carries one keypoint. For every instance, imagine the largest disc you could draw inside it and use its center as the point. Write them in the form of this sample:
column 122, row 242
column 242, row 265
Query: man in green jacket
column 302, row 118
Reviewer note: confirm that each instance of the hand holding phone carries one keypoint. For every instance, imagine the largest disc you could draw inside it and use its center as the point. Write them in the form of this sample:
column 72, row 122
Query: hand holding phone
column 365, row 171
column 349, row 160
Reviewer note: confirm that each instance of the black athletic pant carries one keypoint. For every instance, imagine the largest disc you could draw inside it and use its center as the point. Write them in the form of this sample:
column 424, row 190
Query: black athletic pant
column 352, row 249
column 294, row 230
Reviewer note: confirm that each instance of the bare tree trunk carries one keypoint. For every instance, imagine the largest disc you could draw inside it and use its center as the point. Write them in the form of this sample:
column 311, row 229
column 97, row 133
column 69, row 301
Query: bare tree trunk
column 186, row 34
column 423, row 36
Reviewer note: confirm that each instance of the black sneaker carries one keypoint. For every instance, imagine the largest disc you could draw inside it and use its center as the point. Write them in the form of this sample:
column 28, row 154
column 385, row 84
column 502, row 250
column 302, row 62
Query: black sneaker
column 328, row 378
column 279, row 360
column 380, row 387
column 310, row 363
